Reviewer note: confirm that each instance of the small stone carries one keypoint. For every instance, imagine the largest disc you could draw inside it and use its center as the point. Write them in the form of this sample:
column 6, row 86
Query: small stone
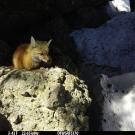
column 18, row 119
column 26, row 94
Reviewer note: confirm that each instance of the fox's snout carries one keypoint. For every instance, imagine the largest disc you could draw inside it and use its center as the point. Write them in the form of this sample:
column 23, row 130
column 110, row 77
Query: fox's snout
column 47, row 59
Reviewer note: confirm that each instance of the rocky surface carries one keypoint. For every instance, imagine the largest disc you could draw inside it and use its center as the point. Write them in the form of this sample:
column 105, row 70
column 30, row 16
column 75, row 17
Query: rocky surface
column 43, row 100
column 109, row 50
column 53, row 99
column 112, row 44
column 119, row 100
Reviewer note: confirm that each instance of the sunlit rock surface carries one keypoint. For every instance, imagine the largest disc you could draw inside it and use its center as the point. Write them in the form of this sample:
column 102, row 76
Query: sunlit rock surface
column 116, row 6
column 119, row 102
column 43, row 100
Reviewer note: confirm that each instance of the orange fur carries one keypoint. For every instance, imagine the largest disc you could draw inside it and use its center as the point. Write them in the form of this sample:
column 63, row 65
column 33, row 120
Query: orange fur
column 29, row 56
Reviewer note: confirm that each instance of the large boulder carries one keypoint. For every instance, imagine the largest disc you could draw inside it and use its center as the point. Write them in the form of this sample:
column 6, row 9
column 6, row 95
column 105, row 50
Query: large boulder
column 112, row 44
column 44, row 100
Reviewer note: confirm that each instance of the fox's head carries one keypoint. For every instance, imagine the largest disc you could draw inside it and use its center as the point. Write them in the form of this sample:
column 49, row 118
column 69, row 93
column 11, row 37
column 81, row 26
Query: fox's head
column 40, row 50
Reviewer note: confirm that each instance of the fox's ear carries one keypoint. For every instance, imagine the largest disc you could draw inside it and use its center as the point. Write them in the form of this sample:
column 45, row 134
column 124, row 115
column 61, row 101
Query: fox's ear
column 32, row 41
column 49, row 42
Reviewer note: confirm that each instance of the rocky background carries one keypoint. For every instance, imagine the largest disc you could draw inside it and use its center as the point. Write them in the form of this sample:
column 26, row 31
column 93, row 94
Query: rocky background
column 82, row 32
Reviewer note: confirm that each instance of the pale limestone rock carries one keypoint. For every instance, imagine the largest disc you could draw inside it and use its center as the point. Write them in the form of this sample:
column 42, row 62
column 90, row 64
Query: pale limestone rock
column 44, row 100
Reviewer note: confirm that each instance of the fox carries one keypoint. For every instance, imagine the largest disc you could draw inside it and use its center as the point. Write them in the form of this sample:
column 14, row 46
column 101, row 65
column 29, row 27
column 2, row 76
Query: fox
column 29, row 55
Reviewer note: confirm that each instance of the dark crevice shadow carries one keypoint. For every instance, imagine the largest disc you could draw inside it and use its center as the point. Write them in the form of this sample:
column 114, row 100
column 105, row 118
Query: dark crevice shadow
column 95, row 109
column 5, row 124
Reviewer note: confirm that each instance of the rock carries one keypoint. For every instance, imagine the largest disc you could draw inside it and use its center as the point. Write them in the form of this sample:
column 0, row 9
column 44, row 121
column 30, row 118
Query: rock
column 55, row 96
column 119, row 100
column 44, row 100
column 115, row 7
column 109, row 45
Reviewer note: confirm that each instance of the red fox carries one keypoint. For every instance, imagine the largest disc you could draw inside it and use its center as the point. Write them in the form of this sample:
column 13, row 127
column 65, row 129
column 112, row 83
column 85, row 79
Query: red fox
column 29, row 56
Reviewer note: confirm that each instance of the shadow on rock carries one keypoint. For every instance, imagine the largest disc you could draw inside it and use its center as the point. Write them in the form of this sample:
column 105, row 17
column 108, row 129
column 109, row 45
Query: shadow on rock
column 4, row 124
